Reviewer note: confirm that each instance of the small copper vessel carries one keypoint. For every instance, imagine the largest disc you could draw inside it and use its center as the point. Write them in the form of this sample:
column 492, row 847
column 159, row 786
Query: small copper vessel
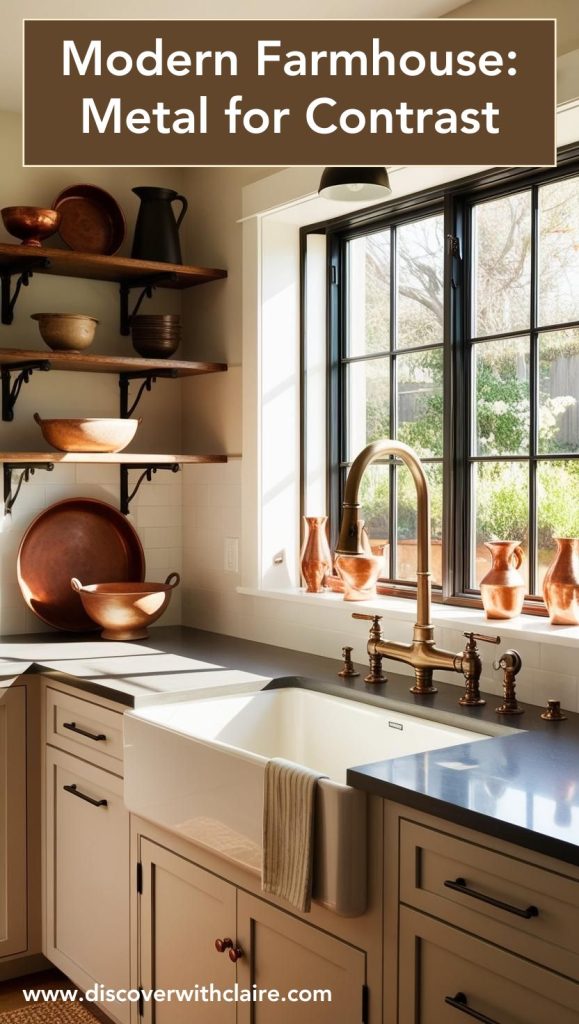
column 31, row 224
column 561, row 584
column 503, row 588
column 316, row 557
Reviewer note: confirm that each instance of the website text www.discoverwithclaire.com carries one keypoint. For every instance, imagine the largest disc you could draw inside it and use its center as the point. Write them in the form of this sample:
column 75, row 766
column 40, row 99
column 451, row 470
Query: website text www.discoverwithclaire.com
column 196, row 994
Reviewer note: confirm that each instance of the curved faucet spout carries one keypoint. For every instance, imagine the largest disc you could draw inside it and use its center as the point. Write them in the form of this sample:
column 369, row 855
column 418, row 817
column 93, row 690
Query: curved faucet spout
column 350, row 538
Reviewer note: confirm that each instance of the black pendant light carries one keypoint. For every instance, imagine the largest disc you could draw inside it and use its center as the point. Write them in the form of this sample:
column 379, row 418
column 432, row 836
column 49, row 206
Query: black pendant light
column 352, row 184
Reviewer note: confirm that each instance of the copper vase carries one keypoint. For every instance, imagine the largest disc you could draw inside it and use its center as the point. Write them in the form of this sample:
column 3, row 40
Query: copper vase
column 503, row 588
column 561, row 584
column 316, row 558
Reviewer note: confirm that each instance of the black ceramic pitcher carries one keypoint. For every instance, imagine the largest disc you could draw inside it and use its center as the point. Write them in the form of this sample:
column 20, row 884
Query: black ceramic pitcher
column 156, row 231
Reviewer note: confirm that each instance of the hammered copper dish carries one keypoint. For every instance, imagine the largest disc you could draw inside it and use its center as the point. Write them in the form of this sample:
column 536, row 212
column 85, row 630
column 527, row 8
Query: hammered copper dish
column 76, row 537
column 124, row 610
column 31, row 224
column 88, row 435
column 66, row 332
column 91, row 220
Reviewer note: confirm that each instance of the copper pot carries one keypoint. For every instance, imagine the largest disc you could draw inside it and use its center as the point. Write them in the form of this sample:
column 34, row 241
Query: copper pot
column 503, row 588
column 124, row 610
column 561, row 584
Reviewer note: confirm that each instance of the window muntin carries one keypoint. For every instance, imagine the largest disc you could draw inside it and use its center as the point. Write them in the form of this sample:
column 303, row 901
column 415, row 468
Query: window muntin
column 524, row 369
column 391, row 359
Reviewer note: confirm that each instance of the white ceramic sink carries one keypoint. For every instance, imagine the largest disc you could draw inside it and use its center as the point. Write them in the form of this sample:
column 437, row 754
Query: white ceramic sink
column 196, row 768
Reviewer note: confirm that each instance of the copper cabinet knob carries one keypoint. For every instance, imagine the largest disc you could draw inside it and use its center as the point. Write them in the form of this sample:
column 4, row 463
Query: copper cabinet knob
column 222, row 944
column 235, row 954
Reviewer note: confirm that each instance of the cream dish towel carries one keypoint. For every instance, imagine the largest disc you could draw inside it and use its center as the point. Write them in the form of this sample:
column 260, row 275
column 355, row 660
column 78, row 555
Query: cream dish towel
column 288, row 831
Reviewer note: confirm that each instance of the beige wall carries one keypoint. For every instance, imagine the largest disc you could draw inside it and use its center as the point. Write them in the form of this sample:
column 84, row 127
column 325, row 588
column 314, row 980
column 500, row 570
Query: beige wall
column 157, row 510
column 565, row 11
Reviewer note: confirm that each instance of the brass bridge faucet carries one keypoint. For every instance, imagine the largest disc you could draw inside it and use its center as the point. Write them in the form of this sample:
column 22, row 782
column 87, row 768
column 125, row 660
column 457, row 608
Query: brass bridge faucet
column 422, row 653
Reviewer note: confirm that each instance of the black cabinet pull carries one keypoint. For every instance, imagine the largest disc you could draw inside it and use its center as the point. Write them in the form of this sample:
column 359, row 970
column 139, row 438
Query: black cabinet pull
column 460, row 1002
column 459, row 885
column 82, row 796
column 82, row 732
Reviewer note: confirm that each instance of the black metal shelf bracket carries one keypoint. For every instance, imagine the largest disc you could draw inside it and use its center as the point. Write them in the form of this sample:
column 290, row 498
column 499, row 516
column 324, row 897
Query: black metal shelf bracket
column 11, row 389
column 26, row 469
column 147, row 473
column 148, row 378
column 147, row 285
column 23, row 268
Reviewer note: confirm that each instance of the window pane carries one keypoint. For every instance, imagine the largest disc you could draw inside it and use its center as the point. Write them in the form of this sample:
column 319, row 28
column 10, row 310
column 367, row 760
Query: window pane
column 559, row 252
column 420, row 253
column 368, row 403
column 375, row 507
column 502, row 265
column 501, row 387
column 420, row 402
column 559, row 391
column 501, row 510
column 557, row 508
column 406, row 550
column 368, row 262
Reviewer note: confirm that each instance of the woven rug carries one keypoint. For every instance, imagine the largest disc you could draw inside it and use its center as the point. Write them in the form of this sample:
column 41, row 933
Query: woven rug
column 49, row 1013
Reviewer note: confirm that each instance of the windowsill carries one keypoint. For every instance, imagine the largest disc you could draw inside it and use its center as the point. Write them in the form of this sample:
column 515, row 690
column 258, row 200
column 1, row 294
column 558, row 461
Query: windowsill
column 525, row 627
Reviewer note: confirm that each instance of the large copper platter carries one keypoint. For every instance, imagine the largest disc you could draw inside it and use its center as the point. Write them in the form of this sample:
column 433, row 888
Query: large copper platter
column 78, row 537
column 91, row 220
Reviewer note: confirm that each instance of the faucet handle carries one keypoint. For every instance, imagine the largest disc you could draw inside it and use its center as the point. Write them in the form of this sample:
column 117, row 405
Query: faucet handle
column 375, row 628
column 473, row 637
column 511, row 663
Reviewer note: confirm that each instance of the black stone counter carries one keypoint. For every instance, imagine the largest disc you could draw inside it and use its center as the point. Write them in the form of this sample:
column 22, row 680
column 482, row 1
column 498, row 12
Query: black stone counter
column 521, row 784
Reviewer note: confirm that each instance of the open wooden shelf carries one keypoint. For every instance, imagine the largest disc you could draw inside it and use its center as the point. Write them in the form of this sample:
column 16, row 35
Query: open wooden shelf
column 66, row 263
column 116, row 458
column 83, row 362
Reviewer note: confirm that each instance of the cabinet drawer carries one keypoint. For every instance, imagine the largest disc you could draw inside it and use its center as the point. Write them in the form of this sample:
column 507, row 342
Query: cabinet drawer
column 480, row 879
column 85, row 729
column 439, row 963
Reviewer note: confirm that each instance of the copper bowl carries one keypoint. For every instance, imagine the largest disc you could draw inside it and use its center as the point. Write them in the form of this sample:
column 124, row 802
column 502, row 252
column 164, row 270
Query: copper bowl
column 88, row 435
column 124, row 610
column 31, row 224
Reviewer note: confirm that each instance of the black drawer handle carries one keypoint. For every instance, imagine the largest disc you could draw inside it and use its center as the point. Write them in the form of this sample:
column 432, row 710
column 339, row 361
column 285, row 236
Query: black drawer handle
column 459, row 885
column 460, row 1002
column 82, row 732
column 82, row 796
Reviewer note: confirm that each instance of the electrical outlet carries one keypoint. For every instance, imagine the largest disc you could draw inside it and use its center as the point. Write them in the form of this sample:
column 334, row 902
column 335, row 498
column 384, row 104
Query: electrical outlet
column 231, row 554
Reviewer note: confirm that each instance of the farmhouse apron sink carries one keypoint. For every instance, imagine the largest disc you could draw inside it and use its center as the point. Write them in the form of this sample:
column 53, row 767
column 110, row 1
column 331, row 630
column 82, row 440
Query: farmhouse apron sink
column 196, row 767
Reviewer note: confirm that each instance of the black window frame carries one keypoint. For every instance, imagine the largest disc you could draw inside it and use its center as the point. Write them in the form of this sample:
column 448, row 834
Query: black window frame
column 455, row 201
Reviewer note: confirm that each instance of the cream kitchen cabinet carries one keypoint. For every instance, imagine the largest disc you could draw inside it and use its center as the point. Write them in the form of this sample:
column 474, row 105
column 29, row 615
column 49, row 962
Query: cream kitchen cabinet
column 87, row 925
column 476, row 928
column 184, row 909
column 13, row 816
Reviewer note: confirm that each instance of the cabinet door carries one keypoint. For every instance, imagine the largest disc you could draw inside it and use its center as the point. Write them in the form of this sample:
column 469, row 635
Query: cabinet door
column 183, row 910
column 447, row 976
column 281, row 952
column 13, row 900
column 87, row 876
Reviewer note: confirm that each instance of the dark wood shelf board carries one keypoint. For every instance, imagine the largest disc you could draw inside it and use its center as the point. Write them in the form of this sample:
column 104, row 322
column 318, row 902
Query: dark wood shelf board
column 112, row 458
column 84, row 362
column 65, row 263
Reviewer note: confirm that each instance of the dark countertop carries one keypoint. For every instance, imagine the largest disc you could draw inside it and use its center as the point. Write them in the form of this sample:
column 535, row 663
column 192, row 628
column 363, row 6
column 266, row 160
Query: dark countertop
column 522, row 784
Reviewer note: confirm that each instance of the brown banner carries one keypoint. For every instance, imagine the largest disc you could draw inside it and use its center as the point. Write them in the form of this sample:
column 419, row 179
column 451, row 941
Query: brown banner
column 192, row 93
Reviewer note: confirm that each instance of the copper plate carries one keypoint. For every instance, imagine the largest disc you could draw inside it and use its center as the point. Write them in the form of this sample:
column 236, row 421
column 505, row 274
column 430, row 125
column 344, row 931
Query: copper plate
column 90, row 220
column 77, row 537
